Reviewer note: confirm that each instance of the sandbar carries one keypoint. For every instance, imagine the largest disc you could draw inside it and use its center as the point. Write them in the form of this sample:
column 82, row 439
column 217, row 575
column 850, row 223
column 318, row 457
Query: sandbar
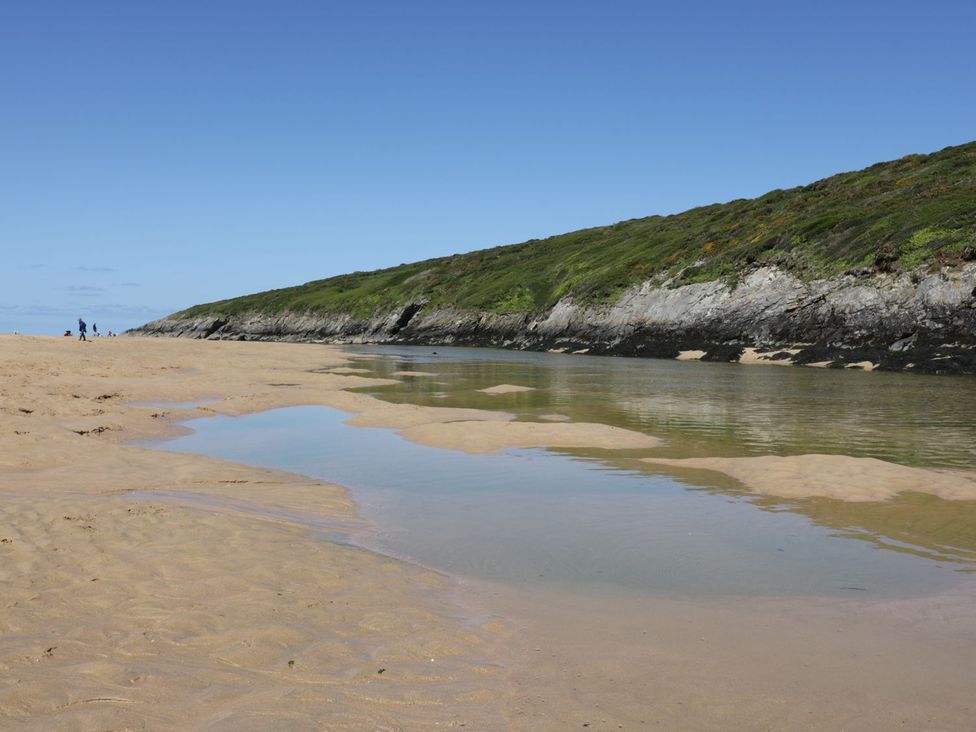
column 492, row 436
column 833, row 476
column 505, row 389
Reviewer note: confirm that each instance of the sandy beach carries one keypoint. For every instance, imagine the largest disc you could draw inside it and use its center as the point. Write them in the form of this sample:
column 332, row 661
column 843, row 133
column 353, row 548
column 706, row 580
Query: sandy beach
column 151, row 590
column 144, row 589
column 123, row 612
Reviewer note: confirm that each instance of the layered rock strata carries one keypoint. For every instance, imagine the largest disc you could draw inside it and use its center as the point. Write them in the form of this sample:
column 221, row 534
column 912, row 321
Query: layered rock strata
column 920, row 321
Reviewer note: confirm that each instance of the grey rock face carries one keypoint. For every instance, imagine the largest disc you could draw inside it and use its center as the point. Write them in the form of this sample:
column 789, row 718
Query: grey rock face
column 922, row 321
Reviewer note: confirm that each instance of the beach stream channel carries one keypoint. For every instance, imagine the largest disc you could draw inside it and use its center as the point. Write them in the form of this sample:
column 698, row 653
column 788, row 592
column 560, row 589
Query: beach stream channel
column 636, row 589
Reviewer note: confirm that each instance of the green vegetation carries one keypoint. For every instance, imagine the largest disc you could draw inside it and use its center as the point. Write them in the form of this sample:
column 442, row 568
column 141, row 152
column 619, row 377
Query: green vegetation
column 919, row 210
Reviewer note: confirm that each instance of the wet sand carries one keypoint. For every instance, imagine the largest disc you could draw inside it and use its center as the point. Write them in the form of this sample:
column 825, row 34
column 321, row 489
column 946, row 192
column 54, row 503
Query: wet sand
column 658, row 663
column 227, row 611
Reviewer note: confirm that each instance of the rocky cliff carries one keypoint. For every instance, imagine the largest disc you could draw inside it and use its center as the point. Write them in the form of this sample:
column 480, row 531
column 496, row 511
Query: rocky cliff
column 920, row 320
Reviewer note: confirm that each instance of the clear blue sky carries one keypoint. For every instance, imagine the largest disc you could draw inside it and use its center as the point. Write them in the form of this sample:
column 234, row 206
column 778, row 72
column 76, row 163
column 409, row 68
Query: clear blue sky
column 156, row 155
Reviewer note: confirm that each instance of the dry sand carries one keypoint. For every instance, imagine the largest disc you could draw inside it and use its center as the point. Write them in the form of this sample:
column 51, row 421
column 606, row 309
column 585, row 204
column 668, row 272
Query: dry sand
column 833, row 476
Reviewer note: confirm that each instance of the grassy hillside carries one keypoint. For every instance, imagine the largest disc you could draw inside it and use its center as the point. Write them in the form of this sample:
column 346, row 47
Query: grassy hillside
column 919, row 210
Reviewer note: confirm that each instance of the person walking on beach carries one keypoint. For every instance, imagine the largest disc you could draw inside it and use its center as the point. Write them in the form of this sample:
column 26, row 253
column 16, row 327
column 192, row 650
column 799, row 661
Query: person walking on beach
column 95, row 329
column 82, row 328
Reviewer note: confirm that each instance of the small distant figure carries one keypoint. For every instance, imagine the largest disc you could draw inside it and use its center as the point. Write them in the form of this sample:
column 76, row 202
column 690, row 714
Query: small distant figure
column 67, row 334
column 111, row 334
column 95, row 329
column 82, row 329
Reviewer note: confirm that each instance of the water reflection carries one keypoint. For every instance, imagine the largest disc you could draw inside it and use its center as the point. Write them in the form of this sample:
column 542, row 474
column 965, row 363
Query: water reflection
column 912, row 523
column 577, row 520
column 708, row 409
column 732, row 410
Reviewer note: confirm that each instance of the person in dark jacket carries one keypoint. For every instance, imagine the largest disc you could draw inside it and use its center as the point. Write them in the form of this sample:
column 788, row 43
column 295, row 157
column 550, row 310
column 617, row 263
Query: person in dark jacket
column 82, row 328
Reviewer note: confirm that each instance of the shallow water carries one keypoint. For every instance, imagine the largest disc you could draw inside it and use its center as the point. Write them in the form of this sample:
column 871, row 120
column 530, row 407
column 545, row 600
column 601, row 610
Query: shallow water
column 651, row 598
column 600, row 522
column 707, row 409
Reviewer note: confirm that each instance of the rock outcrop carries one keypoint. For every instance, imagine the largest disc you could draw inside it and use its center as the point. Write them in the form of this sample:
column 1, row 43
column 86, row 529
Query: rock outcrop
column 922, row 321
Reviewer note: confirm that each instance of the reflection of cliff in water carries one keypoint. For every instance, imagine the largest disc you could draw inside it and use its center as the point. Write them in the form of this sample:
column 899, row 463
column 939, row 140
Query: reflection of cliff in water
column 914, row 523
column 704, row 409
column 729, row 410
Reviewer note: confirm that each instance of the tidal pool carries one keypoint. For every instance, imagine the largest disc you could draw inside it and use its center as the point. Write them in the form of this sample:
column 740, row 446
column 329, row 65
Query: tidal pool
column 601, row 521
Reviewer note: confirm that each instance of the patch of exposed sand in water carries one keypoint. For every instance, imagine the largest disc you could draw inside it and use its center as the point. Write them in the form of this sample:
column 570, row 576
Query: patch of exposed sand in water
column 554, row 417
column 488, row 437
column 505, row 389
column 690, row 356
column 834, row 476
column 414, row 373
column 374, row 413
